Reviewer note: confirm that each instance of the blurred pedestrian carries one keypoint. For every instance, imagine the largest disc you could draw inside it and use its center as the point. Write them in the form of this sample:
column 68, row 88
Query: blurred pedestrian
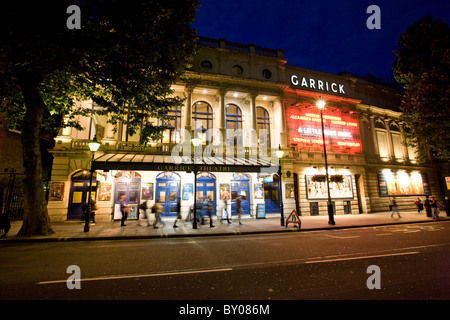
column 225, row 215
column 123, row 209
column 427, row 206
column 434, row 208
column 394, row 208
column 447, row 206
column 239, row 208
column 178, row 214
column 418, row 204
column 5, row 225
column 157, row 209
column 93, row 208
column 144, row 212
column 210, row 210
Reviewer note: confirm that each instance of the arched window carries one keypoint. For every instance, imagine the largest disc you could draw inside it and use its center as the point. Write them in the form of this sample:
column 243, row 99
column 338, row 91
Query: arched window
column 172, row 133
column 263, row 126
column 234, row 124
column 202, row 114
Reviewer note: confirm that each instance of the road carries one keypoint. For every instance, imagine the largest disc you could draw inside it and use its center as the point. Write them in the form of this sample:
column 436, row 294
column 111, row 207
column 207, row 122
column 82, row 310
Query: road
column 413, row 262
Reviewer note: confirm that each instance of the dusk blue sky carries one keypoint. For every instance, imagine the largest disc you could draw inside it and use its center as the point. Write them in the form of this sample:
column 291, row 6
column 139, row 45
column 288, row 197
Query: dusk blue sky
column 323, row 35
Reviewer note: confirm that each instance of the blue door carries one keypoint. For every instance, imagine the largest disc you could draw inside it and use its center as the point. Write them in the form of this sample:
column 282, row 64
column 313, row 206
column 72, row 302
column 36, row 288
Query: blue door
column 168, row 191
column 79, row 193
column 240, row 186
column 206, row 187
column 271, row 194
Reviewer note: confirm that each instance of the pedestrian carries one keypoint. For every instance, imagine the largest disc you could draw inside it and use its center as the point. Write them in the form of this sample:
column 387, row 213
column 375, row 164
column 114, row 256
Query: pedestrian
column 447, row 206
column 239, row 208
column 225, row 214
column 434, row 208
column 210, row 210
column 427, row 206
column 93, row 208
column 419, row 204
column 394, row 208
column 124, row 210
column 157, row 210
column 5, row 225
column 178, row 215
column 143, row 212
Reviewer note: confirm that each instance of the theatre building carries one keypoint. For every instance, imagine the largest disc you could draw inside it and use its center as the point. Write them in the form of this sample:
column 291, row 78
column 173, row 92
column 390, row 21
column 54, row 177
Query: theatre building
column 243, row 103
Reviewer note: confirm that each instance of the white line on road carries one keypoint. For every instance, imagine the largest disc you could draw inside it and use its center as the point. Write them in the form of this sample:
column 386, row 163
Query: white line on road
column 363, row 257
column 145, row 275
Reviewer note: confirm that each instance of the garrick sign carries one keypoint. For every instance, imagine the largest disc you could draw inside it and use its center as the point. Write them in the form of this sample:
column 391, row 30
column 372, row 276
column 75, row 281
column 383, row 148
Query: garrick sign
column 299, row 81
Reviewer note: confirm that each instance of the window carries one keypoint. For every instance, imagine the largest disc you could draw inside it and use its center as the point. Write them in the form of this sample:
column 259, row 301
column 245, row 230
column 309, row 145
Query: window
column 206, row 65
column 172, row 133
column 266, row 74
column 202, row 115
column 233, row 124
column 237, row 70
column 263, row 127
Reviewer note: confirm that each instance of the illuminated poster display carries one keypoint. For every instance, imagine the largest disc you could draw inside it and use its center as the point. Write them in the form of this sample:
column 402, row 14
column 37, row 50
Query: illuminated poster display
column 401, row 183
column 318, row 190
column 341, row 129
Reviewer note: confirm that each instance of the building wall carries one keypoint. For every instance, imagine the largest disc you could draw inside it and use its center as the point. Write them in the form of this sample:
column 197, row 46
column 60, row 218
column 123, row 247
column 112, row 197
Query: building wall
column 250, row 77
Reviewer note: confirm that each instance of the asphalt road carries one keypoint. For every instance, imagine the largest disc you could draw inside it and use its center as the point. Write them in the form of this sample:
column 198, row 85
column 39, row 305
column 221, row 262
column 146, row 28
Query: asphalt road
column 413, row 262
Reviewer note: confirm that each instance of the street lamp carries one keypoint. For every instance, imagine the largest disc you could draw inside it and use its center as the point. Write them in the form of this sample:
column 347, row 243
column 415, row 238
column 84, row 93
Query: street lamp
column 321, row 105
column 196, row 142
column 280, row 153
column 93, row 146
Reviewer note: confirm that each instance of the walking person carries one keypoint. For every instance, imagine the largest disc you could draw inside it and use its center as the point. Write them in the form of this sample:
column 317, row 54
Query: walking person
column 157, row 209
column 225, row 214
column 210, row 209
column 143, row 212
column 5, row 225
column 394, row 208
column 427, row 206
column 419, row 204
column 123, row 209
column 178, row 215
column 239, row 208
column 434, row 208
column 447, row 206
column 93, row 208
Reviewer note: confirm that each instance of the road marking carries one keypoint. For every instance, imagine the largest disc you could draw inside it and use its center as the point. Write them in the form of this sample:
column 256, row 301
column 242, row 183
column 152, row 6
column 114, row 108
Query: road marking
column 363, row 257
column 145, row 275
column 342, row 237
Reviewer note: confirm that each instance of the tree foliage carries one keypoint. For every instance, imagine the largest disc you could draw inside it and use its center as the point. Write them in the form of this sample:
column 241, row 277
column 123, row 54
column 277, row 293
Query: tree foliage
column 422, row 65
column 125, row 58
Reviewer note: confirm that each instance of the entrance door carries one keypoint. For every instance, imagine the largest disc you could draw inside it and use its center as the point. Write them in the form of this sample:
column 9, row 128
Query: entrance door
column 79, row 192
column 271, row 194
column 168, row 191
column 240, row 186
column 127, row 183
column 206, row 187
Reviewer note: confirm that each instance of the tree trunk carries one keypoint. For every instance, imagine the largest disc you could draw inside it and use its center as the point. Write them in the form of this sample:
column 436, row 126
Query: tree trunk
column 35, row 215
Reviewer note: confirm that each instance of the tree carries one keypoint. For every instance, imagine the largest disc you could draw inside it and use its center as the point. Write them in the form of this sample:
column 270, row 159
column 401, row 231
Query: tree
column 422, row 65
column 124, row 57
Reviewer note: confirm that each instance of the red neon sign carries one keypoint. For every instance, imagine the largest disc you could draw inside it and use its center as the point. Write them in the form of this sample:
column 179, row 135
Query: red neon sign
column 341, row 129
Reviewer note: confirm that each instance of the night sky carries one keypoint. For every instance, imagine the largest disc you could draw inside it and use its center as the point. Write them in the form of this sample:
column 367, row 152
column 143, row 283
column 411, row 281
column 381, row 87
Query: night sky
column 323, row 35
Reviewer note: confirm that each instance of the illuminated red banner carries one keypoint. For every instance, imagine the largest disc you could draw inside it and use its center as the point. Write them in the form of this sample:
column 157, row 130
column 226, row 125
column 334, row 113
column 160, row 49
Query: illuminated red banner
column 341, row 129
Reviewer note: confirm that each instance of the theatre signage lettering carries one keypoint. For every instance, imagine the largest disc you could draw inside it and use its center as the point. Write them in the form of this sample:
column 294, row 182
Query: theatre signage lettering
column 317, row 84
column 189, row 168
column 341, row 129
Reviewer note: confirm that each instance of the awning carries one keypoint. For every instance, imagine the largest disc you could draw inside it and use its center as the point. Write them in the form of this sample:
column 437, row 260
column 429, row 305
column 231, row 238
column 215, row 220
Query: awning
column 151, row 162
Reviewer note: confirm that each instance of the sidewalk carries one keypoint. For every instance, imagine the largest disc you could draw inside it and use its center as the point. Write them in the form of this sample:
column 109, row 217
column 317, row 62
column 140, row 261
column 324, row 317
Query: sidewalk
column 73, row 231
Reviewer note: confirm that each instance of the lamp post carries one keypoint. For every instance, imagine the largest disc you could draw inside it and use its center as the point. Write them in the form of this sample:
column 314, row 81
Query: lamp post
column 321, row 105
column 93, row 146
column 280, row 153
column 196, row 142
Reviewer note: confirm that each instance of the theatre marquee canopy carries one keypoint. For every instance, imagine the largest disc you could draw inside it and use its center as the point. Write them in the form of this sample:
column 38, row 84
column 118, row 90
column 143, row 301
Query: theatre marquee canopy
column 147, row 162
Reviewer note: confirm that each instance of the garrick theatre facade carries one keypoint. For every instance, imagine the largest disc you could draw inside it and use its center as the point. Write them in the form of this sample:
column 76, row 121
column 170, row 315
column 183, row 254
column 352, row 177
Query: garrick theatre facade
column 231, row 92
